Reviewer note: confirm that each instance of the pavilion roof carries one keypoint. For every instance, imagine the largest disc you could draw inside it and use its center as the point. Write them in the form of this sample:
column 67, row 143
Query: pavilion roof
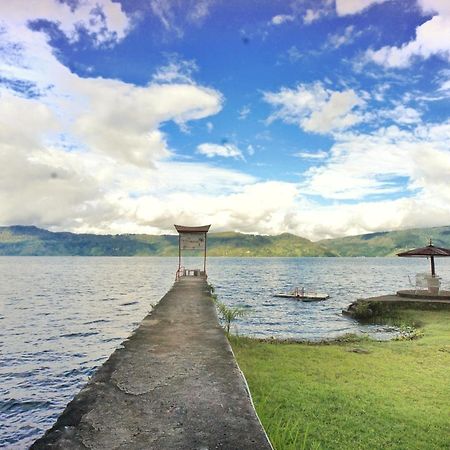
column 185, row 229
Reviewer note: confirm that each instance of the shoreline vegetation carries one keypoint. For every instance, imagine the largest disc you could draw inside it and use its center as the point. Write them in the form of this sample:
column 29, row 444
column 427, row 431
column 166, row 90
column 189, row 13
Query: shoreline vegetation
column 354, row 392
column 32, row 241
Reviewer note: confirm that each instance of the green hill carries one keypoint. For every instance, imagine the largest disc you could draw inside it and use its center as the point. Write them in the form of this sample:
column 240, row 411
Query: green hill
column 388, row 243
column 29, row 240
column 238, row 244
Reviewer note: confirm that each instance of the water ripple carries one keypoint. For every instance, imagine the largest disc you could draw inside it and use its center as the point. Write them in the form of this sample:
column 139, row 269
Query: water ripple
column 63, row 316
column 61, row 319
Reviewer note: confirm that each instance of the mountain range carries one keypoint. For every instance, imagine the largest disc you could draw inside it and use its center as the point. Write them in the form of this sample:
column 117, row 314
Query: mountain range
column 33, row 241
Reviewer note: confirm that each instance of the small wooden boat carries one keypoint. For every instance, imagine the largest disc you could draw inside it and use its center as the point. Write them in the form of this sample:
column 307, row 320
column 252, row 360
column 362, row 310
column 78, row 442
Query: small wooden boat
column 302, row 295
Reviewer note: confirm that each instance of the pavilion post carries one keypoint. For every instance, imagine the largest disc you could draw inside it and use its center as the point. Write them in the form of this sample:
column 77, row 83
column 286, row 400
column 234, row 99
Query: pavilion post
column 433, row 270
column 179, row 253
column 204, row 257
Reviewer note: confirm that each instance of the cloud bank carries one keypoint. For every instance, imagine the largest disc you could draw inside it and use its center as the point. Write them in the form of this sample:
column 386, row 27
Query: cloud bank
column 95, row 154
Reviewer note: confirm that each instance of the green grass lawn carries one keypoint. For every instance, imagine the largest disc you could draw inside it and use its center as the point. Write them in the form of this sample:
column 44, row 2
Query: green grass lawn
column 354, row 395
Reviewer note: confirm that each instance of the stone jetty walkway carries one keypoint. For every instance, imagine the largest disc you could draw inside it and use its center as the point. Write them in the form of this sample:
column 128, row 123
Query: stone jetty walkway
column 174, row 385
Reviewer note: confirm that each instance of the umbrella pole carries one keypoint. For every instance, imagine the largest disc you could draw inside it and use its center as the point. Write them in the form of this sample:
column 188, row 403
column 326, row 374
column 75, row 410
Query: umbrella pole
column 433, row 271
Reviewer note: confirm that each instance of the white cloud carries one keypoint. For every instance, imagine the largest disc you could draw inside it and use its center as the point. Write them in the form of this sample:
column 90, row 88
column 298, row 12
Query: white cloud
column 348, row 7
column 37, row 183
column 282, row 18
column 111, row 128
column 117, row 178
column 308, row 15
column 162, row 9
column 293, row 54
column 98, row 194
column 401, row 114
column 199, row 10
column 244, row 112
column 36, row 120
column 415, row 164
column 379, row 92
column 224, row 150
column 177, row 70
column 46, row 191
column 358, row 166
column 108, row 116
column 445, row 86
column 362, row 165
column 346, row 38
column 315, row 108
column 443, row 80
column 432, row 38
column 241, row 209
column 341, row 7
column 311, row 15
column 437, row 6
column 318, row 222
column 322, row 9
column 40, row 183
column 122, row 120
column 327, row 7
column 317, row 155
column 174, row 14
column 103, row 21
column 335, row 114
column 94, row 193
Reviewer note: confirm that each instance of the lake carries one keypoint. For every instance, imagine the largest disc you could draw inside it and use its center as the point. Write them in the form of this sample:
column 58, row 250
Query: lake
column 61, row 317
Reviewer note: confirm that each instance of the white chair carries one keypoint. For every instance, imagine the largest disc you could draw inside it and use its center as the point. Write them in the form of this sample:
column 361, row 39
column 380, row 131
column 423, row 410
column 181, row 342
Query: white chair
column 421, row 282
column 434, row 284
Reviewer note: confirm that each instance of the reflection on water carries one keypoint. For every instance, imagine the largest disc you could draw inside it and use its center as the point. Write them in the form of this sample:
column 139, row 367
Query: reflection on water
column 61, row 317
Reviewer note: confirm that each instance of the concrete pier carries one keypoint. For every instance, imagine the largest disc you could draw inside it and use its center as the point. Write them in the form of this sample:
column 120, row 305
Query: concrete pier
column 174, row 385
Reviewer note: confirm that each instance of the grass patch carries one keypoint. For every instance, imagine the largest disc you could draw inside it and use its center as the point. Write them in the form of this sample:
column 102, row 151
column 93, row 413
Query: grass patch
column 354, row 394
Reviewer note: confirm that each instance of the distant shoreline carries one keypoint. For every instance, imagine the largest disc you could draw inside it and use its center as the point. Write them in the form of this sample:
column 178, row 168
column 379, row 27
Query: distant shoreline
column 195, row 256
column 21, row 240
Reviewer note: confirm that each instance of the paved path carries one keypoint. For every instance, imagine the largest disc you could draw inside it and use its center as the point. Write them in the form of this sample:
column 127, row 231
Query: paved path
column 173, row 385
column 403, row 299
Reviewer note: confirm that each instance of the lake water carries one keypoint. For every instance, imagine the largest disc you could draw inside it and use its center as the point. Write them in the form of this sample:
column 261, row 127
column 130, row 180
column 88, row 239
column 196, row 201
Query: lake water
column 61, row 317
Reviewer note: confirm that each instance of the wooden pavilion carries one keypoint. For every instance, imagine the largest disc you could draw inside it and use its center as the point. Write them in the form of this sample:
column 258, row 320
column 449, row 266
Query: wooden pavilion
column 191, row 239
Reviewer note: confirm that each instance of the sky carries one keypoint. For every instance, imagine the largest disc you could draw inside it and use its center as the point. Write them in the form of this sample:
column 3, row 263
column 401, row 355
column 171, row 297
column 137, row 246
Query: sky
column 318, row 118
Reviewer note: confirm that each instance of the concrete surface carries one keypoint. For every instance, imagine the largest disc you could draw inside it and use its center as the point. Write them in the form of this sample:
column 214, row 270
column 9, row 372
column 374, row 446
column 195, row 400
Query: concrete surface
column 424, row 295
column 405, row 299
column 174, row 385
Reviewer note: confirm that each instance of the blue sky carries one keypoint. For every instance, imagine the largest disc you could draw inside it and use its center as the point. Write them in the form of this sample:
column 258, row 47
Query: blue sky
column 319, row 118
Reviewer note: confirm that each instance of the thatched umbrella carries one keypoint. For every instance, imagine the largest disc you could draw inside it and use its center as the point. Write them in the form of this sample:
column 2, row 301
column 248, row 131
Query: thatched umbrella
column 430, row 251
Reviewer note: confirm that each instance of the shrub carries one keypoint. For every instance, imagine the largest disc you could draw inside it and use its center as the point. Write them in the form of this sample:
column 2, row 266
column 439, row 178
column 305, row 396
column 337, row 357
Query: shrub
column 228, row 314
